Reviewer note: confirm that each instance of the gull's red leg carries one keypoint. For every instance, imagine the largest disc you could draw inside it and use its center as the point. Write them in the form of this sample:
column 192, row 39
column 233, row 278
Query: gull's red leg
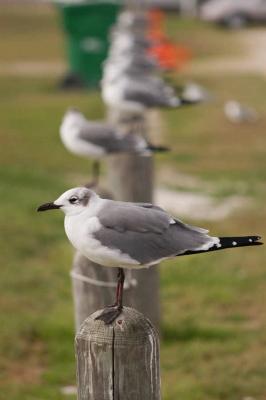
column 110, row 313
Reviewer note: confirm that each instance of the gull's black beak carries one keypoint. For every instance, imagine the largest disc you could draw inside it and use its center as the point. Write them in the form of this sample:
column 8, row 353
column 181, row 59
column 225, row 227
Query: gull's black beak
column 48, row 206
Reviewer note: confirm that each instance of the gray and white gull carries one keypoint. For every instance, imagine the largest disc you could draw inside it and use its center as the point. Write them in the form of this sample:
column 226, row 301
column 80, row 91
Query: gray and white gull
column 140, row 61
column 239, row 113
column 98, row 139
column 136, row 94
column 133, row 20
column 131, row 235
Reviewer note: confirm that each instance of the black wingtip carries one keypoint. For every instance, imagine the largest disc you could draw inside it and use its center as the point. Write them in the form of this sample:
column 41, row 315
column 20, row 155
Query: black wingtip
column 258, row 240
column 257, row 243
column 254, row 238
column 158, row 149
column 228, row 242
column 186, row 102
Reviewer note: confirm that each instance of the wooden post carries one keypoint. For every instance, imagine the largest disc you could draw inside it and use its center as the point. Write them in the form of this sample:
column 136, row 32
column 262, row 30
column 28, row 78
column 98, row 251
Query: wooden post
column 118, row 361
column 130, row 178
column 93, row 287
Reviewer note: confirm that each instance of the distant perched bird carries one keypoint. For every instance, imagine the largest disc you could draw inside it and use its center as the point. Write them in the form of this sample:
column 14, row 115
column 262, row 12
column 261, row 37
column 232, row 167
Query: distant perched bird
column 195, row 93
column 135, row 95
column 115, row 65
column 97, row 139
column 123, row 39
column 128, row 39
column 131, row 83
column 141, row 60
column 113, row 72
column 238, row 113
column 133, row 20
column 131, row 235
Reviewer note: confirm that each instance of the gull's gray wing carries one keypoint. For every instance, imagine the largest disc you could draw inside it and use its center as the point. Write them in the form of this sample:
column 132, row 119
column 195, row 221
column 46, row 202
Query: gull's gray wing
column 100, row 134
column 107, row 137
column 150, row 97
column 146, row 233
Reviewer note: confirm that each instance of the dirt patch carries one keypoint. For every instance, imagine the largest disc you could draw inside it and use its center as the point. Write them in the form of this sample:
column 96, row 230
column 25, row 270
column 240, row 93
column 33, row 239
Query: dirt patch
column 27, row 370
column 168, row 176
column 32, row 69
column 253, row 60
column 198, row 206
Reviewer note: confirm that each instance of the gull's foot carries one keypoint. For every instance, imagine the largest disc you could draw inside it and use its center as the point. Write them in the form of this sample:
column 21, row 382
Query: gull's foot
column 110, row 314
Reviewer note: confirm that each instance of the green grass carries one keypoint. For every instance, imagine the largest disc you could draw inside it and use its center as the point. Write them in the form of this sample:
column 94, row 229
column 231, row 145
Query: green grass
column 209, row 146
column 213, row 329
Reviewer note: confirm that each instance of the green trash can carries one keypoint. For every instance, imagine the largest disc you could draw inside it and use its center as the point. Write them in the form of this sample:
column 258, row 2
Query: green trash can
column 87, row 25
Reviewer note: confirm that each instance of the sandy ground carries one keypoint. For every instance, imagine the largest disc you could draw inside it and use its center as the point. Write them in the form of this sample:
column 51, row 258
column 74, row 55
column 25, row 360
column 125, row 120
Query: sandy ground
column 33, row 69
column 196, row 200
column 198, row 206
column 253, row 60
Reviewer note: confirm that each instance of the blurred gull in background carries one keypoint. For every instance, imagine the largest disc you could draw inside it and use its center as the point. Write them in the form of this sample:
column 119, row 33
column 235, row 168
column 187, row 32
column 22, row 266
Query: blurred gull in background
column 97, row 139
column 136, row 94
column 239, row 113
column 128, row 42
column 195, row 93
column 139, row 61
column 132, row 20
column 131, row 81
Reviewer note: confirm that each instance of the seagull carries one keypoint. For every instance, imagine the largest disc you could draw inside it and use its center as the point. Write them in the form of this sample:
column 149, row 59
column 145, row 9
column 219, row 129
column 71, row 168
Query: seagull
column 135, row 94
column 97, row 139
column 141, row 61
column 136, row 73
column 123, row 39
column 127, row 51
column 131, row 235
column 122, row 47
column 195, row 92
column 238, row 113
column 133, row 20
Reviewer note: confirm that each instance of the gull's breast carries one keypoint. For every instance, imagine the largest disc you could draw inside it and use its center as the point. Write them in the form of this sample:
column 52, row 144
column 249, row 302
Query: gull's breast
column 80, row 234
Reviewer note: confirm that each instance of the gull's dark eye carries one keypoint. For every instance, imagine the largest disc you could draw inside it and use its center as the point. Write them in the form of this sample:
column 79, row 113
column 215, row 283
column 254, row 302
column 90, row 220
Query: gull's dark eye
column 73, row 199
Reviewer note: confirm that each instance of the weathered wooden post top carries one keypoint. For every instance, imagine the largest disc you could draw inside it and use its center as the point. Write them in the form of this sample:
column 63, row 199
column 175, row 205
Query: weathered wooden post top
column 118, row 361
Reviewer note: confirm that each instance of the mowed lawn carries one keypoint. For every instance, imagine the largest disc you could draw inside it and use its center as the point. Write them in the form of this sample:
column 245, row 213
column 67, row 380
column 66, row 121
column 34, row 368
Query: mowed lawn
column 213, row 306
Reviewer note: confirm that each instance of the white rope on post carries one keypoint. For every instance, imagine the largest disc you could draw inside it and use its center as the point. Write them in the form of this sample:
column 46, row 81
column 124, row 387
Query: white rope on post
column 129, row 282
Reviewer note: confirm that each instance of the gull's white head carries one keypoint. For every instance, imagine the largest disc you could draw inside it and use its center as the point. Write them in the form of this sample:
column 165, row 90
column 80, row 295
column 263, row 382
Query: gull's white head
column 72, row 202
column 71, row 123
column 72, row 115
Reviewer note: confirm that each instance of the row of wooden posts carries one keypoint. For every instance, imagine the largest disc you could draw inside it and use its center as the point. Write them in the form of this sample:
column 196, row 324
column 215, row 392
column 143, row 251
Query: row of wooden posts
column 119, row 361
